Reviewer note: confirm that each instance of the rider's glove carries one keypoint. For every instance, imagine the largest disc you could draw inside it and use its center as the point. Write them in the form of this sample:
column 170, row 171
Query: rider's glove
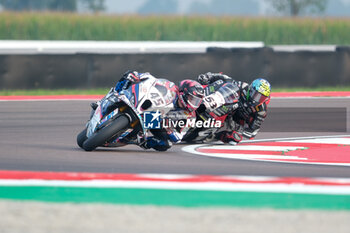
column 203, row 79
column 230, row 137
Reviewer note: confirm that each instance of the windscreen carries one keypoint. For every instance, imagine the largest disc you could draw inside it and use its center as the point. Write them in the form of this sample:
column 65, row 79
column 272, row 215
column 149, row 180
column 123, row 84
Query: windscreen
column 229, row 92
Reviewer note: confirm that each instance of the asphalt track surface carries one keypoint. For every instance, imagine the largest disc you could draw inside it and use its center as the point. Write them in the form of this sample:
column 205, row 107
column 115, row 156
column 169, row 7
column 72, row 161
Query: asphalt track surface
column 41, row 136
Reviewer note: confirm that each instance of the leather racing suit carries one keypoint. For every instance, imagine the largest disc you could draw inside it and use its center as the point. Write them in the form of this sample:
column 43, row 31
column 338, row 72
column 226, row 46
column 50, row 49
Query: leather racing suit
column 163, row 138
column 245, row 119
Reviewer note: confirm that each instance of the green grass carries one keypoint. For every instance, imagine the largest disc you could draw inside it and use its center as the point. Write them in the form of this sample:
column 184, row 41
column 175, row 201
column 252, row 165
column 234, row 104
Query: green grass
column 183, row 198
column 69, row 26
column 103, row 91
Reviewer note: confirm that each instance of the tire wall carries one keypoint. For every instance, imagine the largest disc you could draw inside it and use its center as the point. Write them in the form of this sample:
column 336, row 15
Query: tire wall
column 282, row 69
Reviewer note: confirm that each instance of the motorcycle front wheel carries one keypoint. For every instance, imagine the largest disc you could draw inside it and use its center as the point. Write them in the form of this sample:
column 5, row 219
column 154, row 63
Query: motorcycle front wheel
column 81, row 138
column 102, row 136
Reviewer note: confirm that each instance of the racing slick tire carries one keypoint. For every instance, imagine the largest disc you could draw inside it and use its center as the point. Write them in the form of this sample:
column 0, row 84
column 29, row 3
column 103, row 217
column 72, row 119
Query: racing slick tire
column 102, row 136
column 81, row 138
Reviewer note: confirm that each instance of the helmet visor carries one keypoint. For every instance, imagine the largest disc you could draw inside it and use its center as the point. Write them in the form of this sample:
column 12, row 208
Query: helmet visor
column 257, row 98
column 194, row 101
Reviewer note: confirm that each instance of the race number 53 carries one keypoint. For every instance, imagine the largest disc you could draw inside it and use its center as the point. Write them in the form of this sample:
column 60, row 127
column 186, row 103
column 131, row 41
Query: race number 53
column 213, row 101
column 209, row 101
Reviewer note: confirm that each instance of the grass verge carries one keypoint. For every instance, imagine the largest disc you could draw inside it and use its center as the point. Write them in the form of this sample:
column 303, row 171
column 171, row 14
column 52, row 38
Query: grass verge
column 184, row 198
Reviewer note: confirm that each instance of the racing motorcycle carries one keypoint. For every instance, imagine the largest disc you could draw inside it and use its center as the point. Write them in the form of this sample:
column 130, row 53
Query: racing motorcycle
column 219, row 102
column 118, row 118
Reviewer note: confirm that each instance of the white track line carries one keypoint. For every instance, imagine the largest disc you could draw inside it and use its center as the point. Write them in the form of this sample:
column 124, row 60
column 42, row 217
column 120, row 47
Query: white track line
column 206, row 186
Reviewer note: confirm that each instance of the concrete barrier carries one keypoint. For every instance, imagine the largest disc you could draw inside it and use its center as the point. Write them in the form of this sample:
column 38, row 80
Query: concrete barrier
column 89, row 70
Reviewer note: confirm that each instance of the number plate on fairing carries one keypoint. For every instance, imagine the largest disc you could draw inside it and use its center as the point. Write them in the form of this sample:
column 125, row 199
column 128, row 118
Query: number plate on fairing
column 213, row 101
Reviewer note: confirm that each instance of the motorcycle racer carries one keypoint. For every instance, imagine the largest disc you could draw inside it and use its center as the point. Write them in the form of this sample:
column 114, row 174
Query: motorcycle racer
column 188, row 98
column 184, row 100
column 244, row 118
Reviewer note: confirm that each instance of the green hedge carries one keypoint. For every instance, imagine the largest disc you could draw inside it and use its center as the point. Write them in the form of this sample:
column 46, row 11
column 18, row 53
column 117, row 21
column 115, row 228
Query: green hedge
column 66, row 26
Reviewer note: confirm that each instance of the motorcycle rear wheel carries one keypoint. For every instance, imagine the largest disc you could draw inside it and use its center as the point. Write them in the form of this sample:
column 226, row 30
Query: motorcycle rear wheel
column 107, row 133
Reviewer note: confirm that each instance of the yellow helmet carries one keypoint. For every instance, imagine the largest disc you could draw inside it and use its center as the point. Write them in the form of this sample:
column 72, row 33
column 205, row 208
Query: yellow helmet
column 259, row 91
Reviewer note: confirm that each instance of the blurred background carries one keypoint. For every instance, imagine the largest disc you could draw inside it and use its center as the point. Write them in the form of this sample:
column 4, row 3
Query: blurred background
column 333, row 8
column 293, row 43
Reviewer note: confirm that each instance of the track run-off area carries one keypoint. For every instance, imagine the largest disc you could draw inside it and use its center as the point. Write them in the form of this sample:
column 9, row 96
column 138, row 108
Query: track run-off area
column 299, row 160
